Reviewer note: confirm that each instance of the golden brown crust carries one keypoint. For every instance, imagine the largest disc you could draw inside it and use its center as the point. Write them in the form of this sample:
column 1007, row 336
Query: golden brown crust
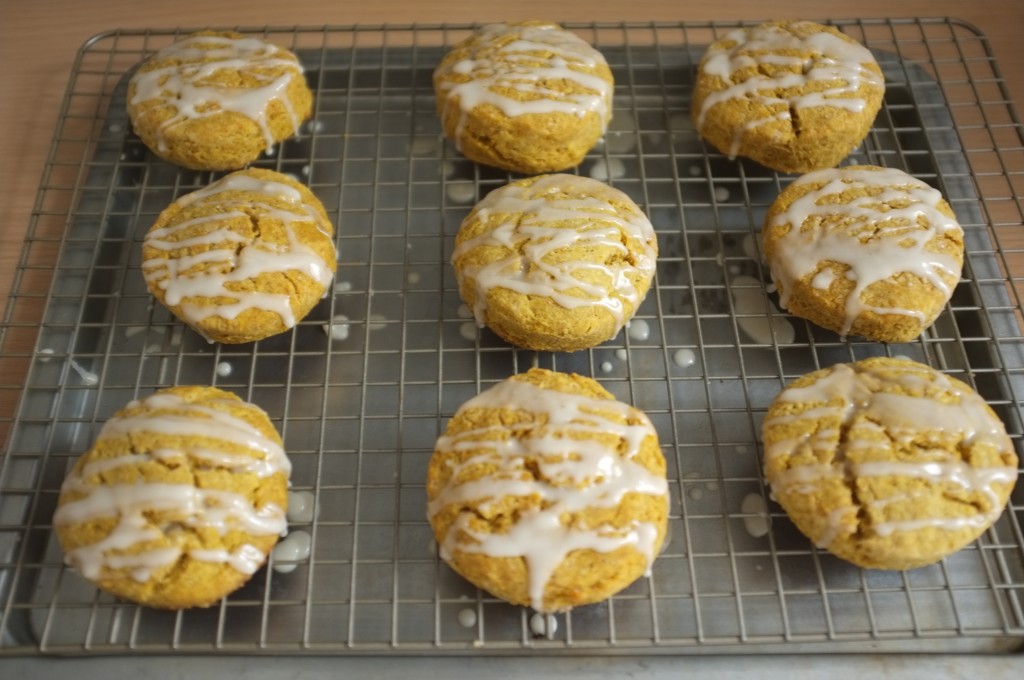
column 185, row 582
column 227, row 140
column 826, row 306
column 531, row 142
column 539, row 321
column 257, row 226
column 584, row 576
column 811, row 137
column 833, row 467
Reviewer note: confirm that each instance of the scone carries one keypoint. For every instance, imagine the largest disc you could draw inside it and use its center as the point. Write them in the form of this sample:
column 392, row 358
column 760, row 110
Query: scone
column 216, row 100
column 179, row 500
column 555, row 262
column 794, row 96
column 545, row 491
column 528, row 97
column 242, row 259
column 864, row 250
column 887, row 463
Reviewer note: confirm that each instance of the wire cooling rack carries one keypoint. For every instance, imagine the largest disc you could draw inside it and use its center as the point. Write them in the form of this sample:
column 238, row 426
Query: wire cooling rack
column 362, row 387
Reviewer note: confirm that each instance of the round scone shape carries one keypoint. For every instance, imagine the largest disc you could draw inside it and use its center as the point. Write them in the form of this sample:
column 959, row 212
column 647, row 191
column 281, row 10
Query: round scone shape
column 245, row 258
column 555, row 262
column 887, row 463
column 794, row 96
column 547, row 492
column 216, row 100
column 864, row 250
column 179, row 500
column 528, row 97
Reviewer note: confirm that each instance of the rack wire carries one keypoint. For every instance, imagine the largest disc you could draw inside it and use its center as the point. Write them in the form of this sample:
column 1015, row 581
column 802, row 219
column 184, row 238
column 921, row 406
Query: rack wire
column 359, row 412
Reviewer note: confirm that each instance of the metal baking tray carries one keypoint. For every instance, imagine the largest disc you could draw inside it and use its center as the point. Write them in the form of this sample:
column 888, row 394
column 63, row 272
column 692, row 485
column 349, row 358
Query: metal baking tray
column 360, row 411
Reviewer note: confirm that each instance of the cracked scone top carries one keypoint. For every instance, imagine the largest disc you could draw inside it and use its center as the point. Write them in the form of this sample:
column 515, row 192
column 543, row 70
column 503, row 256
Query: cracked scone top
column 547, row 492
column 887, row 463
column 178, row 501
column 555, row 262
column 794, row 96
column 864, row 250
column 528, row 97
column 216, row 100
column 245, row 258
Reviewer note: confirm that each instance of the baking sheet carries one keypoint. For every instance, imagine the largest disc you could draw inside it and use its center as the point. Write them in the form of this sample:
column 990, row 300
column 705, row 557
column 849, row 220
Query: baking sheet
column 360, row 411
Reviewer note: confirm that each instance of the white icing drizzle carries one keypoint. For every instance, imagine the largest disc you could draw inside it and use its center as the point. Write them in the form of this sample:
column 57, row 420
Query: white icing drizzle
column 198, row 508
column 575, row 470
column 203, row 509
column 88, row 377
column 302, row 507
column 836, row 524
column 232, row 258
column 639, row 330
column 684, row 357
column 805, row 478
column 604, row 170
column 536, row 56
column 339, row 328
column 823, row 279
column 757, row 523
column 185, row 83
column 846, row 395
column 532, row 265
column 295, row 548
column 543, row 625
column 199, row 420
column 955, row 472
column 88, row 559
column 832, row 60
column 756, row 315
column 467, row 617
column 875, row 246
column 247, row 559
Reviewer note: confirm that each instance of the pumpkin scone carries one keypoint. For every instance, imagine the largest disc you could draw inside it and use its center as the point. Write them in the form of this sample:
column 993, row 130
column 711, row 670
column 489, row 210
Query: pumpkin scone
column 887, row 463
column 547, row 492
column 243, row 259
column 555, row 262
column 216, row 100
column 794, row 96
column 529, row 97
column 179, row 500
column 864, row 250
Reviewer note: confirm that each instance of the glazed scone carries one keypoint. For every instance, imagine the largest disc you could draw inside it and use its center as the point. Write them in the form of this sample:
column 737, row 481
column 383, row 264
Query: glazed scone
column 529, row 97
column 555, row 262
column 864, row 250
column 179, row 501
column 216, row 100
column 794, row 96
column 887, row 463
column 245, row 258
column 547, row 492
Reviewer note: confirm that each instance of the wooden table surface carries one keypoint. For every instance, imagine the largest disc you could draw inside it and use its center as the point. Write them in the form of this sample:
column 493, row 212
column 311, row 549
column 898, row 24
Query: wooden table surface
column 38, row 42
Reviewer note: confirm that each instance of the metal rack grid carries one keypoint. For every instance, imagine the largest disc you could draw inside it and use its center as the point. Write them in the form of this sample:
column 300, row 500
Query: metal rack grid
column 359, row 415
